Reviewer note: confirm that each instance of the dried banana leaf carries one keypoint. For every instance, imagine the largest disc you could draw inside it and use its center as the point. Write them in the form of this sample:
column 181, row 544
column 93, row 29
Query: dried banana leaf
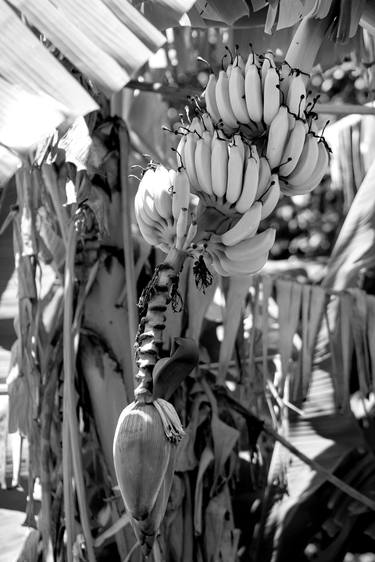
column 220, row 537
column 206, row 459
column 9, row 163
column 78, row 48
column 27, row 63
column 235, row 300
column 289, row 296
column 137, row 23
column 105, row 30
column 186, row 455
column 354, row 246
column 313, row 301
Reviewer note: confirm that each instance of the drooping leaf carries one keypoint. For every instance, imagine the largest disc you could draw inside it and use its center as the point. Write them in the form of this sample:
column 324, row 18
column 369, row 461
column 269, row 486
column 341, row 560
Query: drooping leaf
column 27, row 63
column 74, row 44
column 354, row 246
column 222, row 11
column 102, row 27
column 169, row 372
column 137, row 23
column 221, row 541
column 235, row 299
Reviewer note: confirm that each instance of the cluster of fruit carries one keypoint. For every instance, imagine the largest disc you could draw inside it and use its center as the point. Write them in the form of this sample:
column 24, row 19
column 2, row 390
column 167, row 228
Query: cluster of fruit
column 165, row 208
column 256, row 140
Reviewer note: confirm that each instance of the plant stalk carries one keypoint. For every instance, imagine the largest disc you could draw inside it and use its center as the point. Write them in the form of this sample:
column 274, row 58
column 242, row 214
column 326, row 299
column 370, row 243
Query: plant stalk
column 153, row 304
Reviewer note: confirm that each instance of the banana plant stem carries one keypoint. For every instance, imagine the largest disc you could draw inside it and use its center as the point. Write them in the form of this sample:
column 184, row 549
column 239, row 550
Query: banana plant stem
column 153, row 304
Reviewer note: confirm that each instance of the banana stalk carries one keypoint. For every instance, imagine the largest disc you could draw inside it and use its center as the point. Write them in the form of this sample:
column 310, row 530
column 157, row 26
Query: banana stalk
column 306, row 43
column 154, row 301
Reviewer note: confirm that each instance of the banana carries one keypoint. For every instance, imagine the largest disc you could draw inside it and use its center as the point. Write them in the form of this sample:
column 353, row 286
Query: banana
column 219, row 165
column 316, row 177
column 267, row 64
column 264, row 177
column 189, row 159
column 192, row 231
column 238, row 61
column 306, row 163
column 293, row 148
column 210, row 98
column 181, row 193
column 228, row 267
column 271, row 95
column 237, row 95
column 285, row 77
column 203, row 163
column 245, row 227
column 223, row 101
column 207, row 122
column 162, row 193
column 181, row 227
column 252, row 59
column 277, row 136
column 271, row 197
column 296, row 97
column 253, row 93
column 251, row 248
column 196, row 126
column 229, row 69
column 235, row 170
column 180, row 150
column 250, row 182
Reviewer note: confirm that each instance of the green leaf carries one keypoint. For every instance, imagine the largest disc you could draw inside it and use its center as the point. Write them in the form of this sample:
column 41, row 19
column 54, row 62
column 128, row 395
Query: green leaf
column 169, row 372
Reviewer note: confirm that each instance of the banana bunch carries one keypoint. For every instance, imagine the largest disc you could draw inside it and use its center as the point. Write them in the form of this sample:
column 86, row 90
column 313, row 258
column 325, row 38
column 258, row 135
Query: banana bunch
column 165, row 208
column 226, row 172
column 244, row 94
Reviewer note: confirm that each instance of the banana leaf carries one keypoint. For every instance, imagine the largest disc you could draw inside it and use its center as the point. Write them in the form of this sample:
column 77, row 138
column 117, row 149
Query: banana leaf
column 354, row 247
column 9, row 162
column 74, row 44
column 222, row 11
column 27, row 63
column 220, row 539
column 235, row 300
column 104, row 29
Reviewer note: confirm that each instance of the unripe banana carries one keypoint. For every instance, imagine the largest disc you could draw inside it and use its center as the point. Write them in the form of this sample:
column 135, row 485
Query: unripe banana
column 180, row 149
column 316, row 177
column 296, row 97
column 181, row 227
column 271, row 197
column 264, row 177
column 162, row 193
column 219, row 165
column 271, row 95
column 253, row 93
column 267, row 64
column 207, row 122
column 235, row 171
column 189, row 159
column 238, row 268
column 250, row 248
column 148, row 231
column 245, row 227
column 210, row 98
column 277, row 136
column 223, row 101
column 252, row 59
column 237, row 95
column 285, row 77
column 238, row 61
column 229, row 69
column 203, row 163
column 196, row 126
column 306, row 163
column 293, row 148
column 250, row 182
column 180, row 193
